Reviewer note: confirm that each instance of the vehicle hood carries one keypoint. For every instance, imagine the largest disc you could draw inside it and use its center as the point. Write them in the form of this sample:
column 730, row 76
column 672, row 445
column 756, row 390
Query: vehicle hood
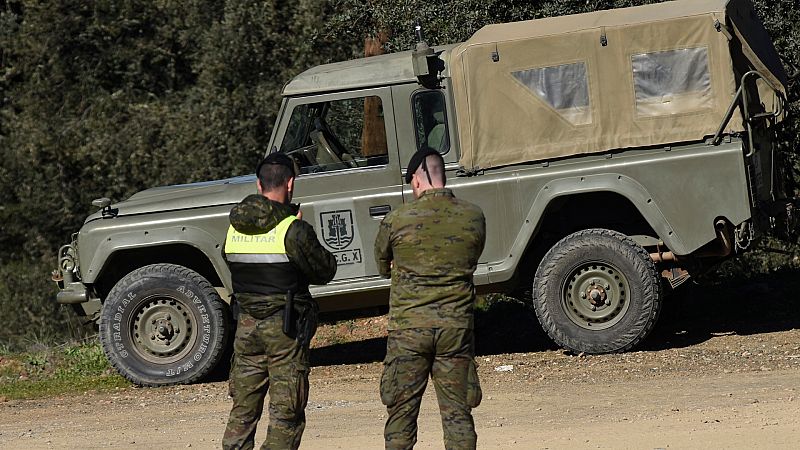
column 185, row 196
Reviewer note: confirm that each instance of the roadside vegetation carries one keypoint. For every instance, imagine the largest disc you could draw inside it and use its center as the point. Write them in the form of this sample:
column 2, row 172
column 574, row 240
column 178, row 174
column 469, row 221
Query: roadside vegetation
column 49, row 371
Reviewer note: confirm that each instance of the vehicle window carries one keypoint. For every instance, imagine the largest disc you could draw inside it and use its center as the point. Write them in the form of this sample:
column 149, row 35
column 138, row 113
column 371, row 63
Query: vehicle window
column 565, row 88
column 337, row 135
column 671, row 82
column 430, row 121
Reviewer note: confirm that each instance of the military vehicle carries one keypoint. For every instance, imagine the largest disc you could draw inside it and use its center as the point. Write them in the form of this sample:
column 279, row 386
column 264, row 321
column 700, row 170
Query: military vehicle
column 614, row 154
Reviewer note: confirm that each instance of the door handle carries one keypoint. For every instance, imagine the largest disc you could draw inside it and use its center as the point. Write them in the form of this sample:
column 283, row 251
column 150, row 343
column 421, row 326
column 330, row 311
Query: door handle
column 377, row 211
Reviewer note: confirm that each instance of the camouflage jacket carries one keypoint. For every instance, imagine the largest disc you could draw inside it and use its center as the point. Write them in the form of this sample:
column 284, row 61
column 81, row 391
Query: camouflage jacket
column 315, row 264
column 430, row 248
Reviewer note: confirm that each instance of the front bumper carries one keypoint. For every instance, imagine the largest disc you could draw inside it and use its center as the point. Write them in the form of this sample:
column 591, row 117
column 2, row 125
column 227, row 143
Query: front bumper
column 72, row 291
column 67, row 276
column 72, row 294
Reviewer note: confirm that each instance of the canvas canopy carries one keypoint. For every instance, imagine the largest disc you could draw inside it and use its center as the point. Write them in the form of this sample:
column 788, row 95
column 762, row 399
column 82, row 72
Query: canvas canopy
column 632, row 77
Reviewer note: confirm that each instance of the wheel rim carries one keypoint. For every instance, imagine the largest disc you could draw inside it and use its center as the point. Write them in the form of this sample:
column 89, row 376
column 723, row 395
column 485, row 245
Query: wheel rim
column 595, row 295
column 162, row 329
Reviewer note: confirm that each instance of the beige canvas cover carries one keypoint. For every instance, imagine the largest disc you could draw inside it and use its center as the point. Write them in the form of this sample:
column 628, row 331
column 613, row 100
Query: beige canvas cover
column 615, row 79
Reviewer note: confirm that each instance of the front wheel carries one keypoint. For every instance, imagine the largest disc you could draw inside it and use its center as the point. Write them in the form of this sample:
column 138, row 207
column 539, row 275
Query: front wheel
column 164, row 324
column 597, row 291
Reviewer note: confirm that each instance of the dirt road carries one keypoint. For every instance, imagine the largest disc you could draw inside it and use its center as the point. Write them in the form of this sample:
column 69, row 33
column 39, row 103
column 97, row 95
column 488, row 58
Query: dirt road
column 727, row 375
column 728, row 392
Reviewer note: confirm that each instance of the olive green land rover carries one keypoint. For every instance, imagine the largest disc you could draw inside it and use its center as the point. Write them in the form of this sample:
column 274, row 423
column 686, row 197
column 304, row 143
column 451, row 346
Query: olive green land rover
column 614, row 154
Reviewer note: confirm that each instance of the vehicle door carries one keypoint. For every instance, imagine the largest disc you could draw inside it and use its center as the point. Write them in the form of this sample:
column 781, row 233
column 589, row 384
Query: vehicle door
column 345, row 149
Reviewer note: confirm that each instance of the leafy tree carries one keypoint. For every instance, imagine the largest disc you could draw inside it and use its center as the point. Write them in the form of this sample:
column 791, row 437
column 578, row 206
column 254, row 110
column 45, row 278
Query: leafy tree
column 110, row 97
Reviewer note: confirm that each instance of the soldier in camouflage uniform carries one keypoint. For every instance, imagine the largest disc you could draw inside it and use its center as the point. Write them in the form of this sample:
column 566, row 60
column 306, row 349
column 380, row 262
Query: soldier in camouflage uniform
column 430, row 248
column 273, row 256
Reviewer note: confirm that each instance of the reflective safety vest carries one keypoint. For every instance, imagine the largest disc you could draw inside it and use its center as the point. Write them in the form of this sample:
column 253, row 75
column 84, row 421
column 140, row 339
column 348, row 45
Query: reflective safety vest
column 259, row 263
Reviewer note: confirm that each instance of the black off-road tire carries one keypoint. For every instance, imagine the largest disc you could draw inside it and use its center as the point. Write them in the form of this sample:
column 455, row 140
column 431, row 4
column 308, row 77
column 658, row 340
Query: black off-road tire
column 597, row 291
column 164, row 324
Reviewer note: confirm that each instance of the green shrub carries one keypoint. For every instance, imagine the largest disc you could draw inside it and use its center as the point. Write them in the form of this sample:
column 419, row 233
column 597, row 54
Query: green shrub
column 769, row 257
column 83, row 360
column 32, row 320
column 76, row 367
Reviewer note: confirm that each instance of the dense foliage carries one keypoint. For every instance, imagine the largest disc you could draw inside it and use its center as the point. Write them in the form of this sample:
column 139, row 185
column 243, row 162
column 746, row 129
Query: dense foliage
column 109, row 97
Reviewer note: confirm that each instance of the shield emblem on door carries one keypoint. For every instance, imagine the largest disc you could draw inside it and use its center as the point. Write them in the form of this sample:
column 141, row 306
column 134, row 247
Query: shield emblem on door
column 337, row 228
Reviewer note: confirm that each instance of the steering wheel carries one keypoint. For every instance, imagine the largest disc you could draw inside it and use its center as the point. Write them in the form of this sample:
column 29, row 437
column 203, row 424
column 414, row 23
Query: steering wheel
column 301, row 158
column 330, row 144
column 324, row 145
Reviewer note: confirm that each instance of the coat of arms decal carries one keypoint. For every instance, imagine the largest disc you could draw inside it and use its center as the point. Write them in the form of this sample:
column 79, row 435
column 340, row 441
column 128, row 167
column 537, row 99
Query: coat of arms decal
column 337, row 228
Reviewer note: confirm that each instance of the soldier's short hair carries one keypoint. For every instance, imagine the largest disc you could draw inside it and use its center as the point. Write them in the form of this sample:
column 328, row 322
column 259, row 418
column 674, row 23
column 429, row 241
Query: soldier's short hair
column 274, row 170
column 434, row 166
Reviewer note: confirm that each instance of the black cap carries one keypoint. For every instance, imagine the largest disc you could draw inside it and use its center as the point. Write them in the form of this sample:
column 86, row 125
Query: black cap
column 276, row 159
column 417, row 159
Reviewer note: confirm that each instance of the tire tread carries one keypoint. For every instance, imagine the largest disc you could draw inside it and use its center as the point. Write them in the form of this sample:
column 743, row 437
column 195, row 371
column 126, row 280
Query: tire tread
column 651, row 296
column 160, row 270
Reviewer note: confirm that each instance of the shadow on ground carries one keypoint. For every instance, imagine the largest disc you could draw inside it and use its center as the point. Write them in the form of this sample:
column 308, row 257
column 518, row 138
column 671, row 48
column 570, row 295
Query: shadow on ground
column 357, row 352
column 761, row 304
column 509, row 325
column 504, row 325
column 694, row 314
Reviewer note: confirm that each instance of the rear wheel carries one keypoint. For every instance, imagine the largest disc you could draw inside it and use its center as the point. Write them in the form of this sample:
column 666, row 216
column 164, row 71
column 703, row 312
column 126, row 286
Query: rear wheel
column 164, row 324
column 597, row 291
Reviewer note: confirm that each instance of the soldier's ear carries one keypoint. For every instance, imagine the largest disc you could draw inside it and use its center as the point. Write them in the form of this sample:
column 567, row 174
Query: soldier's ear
column 415, row 180
column 258, row 185
column 290, row 184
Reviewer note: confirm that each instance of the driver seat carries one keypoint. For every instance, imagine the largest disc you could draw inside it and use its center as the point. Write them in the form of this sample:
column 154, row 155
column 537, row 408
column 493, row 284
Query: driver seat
column 437, row 137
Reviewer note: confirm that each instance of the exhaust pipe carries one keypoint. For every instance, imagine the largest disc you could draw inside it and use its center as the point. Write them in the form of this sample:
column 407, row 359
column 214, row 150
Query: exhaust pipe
column 725, row 248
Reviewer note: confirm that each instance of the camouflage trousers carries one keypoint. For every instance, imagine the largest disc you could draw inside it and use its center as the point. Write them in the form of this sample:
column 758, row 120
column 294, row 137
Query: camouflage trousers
column 266, row 359
column 447, row 356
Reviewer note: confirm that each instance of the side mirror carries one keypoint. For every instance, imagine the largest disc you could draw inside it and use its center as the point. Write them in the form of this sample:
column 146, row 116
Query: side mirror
column 101, row 202
column 105, row 204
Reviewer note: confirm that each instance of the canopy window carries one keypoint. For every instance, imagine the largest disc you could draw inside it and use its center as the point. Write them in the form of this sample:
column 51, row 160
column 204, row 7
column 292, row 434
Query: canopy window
column 672, row 82
column 564, row 88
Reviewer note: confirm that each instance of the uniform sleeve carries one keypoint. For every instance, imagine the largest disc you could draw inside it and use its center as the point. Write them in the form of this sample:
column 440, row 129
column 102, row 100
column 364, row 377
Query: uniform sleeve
column 383, row 247
column 481, row 232
column 305, row 251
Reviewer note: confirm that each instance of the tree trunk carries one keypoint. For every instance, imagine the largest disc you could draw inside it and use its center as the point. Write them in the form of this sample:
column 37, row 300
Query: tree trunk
column 373, row 138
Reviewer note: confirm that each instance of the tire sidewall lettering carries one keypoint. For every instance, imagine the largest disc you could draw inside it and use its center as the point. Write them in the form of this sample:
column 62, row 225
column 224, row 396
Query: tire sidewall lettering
column 117, row 326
